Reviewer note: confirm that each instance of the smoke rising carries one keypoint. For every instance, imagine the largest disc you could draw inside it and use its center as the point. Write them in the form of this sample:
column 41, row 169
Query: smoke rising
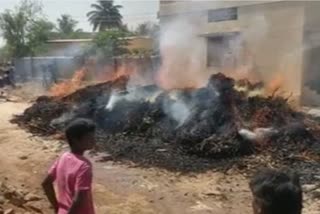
column 113, row 100
column 175, row 108
column 185, row 62
column 64, row 118
column 178, row 110
column 181, row 54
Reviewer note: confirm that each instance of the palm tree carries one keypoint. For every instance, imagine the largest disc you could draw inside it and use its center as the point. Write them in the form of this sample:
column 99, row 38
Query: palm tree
column 105, row 15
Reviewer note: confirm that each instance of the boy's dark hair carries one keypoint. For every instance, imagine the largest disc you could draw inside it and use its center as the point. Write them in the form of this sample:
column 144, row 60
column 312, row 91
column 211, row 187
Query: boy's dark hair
column 277, row 192
column 79, row 128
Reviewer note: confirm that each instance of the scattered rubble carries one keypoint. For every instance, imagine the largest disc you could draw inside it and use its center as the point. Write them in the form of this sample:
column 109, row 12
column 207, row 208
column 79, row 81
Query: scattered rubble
column 23, row 157
column 9, row 211
column 14, row 199
column 34, row 206
column 31, row 197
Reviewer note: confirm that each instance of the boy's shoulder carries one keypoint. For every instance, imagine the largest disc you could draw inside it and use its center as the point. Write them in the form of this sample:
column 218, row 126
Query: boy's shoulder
column 78, row 159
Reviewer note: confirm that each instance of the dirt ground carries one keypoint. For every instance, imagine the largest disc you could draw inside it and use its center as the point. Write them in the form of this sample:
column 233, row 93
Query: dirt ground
column 118, row 189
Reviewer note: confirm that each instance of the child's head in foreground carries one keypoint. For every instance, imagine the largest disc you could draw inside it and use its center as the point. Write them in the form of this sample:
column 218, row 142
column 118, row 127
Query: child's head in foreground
column 80, row 135
column 276, row 192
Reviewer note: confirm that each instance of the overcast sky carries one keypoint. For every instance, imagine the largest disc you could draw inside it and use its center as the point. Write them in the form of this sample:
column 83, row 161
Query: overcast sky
column 134, row 11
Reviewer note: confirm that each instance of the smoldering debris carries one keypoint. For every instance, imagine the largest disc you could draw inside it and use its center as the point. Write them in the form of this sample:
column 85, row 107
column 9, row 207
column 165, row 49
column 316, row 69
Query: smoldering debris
column 38, row 117
column 48, row 115
column 182, row 129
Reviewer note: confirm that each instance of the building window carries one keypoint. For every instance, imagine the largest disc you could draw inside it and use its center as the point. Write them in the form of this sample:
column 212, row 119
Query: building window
column 225, row 14
column 223, row 50
column 215, row 50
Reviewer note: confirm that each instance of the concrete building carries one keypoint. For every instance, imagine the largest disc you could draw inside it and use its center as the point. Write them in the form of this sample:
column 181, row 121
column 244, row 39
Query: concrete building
column 269, row 37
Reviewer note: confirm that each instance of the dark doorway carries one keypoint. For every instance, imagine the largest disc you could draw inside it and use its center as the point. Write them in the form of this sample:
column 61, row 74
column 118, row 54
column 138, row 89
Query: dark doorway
column 223, row 50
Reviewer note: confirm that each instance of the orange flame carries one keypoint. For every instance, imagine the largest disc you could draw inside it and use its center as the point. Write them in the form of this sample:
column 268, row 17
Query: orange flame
column 244, row 72
column 112, row 74
column 276, row 83
column 69, row 86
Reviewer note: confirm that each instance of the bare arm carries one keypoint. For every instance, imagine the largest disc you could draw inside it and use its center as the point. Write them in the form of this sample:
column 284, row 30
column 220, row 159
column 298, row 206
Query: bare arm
column 78, row 199
column 48, row 188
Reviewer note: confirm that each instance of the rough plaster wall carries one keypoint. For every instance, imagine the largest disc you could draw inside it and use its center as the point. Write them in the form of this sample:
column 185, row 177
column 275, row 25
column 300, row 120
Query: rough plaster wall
column 311, row 74
column 274, row 35
column 312, row 42
column 183, row 49
column 187, row 6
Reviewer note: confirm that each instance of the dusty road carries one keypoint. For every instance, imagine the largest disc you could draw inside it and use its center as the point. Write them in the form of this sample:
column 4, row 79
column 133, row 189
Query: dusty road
column 118, row 189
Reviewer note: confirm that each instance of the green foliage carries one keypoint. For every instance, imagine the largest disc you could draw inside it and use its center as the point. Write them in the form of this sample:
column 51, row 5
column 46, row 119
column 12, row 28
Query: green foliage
column 12, row 27
column 79, row 34
column 143, row 29
column 105, row 15
column 67, row 25
column 23, row 29
column 124, row 27
column 38, row 35
column 5, row 54
column 147, row 29
column 111, row 43
column 151, row 30
column 141, row 52
column 67, row 29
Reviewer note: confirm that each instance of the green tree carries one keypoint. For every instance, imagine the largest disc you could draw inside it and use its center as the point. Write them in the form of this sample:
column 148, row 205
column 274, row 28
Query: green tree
column 23, row 29
column 151, row 30
column 14, row 26
column 125, row 28
column 66, row 24
column 105, row 15
column 147, row 29
column 143, row 29
column 111, row 43
column 39, row 33
column 4, row 54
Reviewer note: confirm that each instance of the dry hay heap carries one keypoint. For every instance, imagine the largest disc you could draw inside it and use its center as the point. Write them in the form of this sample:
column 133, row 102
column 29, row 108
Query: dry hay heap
column 177, row 127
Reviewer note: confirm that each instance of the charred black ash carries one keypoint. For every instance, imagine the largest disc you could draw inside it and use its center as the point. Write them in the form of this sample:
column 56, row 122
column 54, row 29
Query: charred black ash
column 180, row 129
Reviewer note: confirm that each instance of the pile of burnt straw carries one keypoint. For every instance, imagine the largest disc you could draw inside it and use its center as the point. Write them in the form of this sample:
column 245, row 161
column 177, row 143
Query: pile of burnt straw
column 151, row 126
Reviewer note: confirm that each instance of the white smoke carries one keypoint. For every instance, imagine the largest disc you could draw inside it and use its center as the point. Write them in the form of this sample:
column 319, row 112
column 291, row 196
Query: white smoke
column 63, row 118
column 175, row 108
column 113, row 100
column 137, row 79
column 258, row 134
column 182, row 55
column 133, row 94
column 178, row 111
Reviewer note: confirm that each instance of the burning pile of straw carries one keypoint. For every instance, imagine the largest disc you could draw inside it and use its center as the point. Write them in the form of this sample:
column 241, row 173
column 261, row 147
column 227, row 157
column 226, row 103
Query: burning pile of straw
column 153, row 126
